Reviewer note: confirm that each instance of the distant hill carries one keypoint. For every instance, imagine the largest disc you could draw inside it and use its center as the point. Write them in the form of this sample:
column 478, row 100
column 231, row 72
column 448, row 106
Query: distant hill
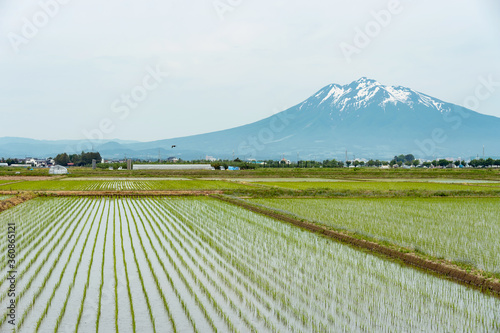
column 365, row 117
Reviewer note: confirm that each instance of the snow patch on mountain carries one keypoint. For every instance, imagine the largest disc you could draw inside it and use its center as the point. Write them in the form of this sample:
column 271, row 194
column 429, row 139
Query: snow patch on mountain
column 397, row 95
column 364, row 92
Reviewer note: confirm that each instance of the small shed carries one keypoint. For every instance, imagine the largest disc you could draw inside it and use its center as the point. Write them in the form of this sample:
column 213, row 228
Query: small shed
column 58, row 170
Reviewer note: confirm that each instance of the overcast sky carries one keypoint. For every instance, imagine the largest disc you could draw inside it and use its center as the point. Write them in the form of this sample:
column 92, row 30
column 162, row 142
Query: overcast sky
column 70, row 66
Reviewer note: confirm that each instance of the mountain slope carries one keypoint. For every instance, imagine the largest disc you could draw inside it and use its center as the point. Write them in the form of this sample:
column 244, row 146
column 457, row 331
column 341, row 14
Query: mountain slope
column 365, row 117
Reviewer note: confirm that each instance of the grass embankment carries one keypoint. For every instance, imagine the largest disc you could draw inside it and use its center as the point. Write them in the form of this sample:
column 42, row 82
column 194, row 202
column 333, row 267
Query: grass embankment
column 340, row 173
column 462, row 273
column 14, row 201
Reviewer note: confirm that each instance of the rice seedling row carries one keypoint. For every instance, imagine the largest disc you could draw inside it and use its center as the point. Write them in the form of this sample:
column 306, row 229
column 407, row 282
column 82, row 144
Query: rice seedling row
column 179, row 282
column 61, row 319
column 460, row 229
column 60, row 299
column 381, row 186
column 198, row 264
column 223, row 272
column 40, row 277
column 43, row 253
column 143, row 287
column 144, row 254
column 122, row 185
column 211, row 284
column 28, row 238
column 55, row 288
column 269, row 278
column 197, row 289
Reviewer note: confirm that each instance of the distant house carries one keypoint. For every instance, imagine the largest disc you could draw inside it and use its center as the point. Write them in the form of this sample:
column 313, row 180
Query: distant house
column 71, row 164
column 58, row 170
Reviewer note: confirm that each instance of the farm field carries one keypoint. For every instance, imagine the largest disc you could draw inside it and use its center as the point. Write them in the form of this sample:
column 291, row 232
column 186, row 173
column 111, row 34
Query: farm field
column 126, row 178
column 120, row 185
column 199, row 264
column 3, row 197
column 2, row 182
column 440, row 180
column 462, row 229
column 324, row 173
column 254, row 180
column 382, row 186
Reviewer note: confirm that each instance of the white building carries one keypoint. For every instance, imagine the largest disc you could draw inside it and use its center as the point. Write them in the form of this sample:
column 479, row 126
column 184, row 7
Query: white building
column 173, row 167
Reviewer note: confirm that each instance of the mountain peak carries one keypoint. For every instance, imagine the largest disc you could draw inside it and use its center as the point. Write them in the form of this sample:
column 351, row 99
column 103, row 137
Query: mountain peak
column 364, row 92
column 366, row 81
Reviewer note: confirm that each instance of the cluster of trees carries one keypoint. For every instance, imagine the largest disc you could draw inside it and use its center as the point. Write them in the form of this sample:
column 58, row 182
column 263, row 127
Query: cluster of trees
column 370, row 163
column 484, row 162
column 408, row 159
column 115, row 165
column 83, row 159
column 400, row 160
column 10, row 161
column 444, row 163
column 236, row 163
column 333, row 164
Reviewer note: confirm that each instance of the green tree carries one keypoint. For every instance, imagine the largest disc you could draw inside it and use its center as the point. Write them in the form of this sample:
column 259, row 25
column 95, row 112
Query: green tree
column 62, row 159
column 409, row 158
column 443, row 163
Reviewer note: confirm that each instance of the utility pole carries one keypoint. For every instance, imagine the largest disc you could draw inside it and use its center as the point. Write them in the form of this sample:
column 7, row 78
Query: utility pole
column 483, row 152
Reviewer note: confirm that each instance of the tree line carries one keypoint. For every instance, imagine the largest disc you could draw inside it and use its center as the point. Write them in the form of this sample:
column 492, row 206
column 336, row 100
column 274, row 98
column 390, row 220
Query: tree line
column 83, row 159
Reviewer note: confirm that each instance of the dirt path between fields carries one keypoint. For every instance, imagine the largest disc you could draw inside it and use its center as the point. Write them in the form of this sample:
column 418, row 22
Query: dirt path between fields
column 30, row 177
column 14, row 201
column 439, row 267
column 5, row 184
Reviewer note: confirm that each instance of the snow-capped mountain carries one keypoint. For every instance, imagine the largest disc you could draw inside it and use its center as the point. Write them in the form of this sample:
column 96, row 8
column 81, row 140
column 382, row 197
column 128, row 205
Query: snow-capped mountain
column 366, row 92
column 365, row 117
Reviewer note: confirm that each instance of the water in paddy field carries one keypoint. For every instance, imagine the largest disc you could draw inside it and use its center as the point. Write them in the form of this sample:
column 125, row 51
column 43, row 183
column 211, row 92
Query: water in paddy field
column 201, row 264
